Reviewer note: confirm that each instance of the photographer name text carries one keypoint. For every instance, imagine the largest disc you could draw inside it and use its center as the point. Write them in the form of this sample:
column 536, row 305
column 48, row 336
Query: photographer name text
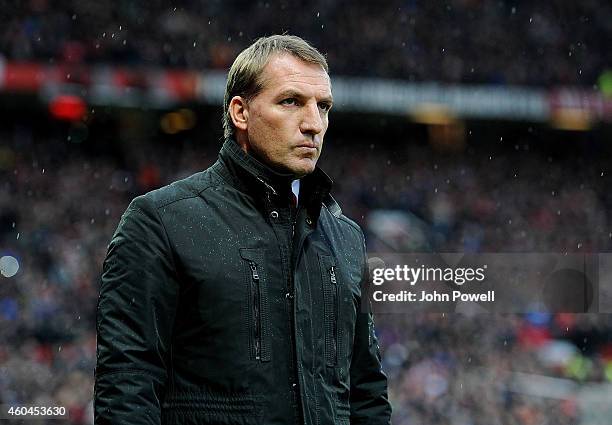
column 433, row 296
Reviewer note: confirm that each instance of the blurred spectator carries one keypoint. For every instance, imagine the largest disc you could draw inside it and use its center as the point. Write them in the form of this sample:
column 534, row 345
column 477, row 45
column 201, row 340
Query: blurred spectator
column 471, row 41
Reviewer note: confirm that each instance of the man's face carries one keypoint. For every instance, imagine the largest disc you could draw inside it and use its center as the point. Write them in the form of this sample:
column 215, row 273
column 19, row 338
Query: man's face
column 287, row 120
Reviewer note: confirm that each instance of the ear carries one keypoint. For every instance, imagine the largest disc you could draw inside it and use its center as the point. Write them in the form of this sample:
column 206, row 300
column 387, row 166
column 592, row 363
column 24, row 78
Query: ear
column 239, row 112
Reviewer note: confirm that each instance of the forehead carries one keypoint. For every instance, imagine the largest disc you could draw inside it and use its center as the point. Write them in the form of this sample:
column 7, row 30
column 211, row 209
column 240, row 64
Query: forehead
column 285, row 71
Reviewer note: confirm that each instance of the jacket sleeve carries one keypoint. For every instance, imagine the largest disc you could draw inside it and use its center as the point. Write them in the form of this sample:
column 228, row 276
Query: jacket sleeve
column 135, row 316
column 369, row 401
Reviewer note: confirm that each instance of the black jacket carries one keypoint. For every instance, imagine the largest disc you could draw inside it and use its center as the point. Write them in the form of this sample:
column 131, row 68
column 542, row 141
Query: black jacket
column 221, row 304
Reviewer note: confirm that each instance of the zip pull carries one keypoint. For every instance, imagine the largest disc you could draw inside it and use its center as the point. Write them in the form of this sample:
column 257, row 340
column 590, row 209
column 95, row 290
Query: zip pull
column 254, row 271
column 332, row 274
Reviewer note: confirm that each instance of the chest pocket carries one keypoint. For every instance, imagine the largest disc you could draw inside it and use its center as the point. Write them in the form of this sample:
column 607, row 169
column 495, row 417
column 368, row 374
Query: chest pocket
column 338, row 311
column 258, row 302
column 331, row 294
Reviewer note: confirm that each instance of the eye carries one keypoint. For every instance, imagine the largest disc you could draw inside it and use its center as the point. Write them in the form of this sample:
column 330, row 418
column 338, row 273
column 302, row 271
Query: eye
column 326, row 106
column 289, row 101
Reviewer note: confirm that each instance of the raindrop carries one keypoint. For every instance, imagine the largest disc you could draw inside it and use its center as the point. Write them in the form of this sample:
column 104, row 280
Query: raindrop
column 318, row 14
column 59, row 348
column 18, row 235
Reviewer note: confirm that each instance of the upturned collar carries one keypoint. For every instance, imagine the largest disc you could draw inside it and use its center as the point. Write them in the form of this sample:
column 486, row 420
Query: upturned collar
column 250, row 175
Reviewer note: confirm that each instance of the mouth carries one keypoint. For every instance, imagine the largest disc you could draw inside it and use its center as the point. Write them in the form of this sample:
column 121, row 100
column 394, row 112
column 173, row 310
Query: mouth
column 308, row 145
column 307, row 151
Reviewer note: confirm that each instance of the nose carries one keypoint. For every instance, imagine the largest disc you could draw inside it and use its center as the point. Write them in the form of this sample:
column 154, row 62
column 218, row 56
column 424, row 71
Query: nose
column 312, row 122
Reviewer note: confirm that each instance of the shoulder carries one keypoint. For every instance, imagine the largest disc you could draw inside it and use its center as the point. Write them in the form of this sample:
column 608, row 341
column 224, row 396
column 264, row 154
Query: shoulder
column 331, row 206
column 350, row 231
column 181, row 190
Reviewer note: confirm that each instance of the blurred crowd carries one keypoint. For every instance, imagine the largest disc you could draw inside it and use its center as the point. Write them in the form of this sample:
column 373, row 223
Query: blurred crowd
column 470, row 41
column 59, row 205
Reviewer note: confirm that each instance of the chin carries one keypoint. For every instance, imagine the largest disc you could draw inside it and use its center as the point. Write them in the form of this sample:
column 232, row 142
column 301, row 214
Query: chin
column 303, row 169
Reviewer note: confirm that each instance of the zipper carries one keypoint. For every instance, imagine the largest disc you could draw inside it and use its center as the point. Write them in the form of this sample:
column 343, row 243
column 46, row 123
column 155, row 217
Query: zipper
column 255, row 295
column 291, row 299
column 334, row 339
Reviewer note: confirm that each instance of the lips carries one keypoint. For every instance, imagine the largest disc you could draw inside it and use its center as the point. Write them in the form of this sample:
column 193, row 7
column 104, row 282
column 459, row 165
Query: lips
column 307, row 145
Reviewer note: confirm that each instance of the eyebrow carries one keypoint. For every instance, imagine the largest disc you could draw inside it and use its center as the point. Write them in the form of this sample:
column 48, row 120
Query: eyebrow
column 297, row 94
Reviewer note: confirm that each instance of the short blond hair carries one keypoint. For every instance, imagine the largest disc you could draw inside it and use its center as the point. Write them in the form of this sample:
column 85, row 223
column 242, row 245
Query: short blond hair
column 243, row 77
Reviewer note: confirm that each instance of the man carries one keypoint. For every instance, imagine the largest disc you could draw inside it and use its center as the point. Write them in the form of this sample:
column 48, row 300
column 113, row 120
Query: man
column 233, row 296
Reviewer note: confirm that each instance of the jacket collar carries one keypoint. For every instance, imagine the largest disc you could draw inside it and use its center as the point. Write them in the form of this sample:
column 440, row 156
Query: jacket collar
column 252, row 176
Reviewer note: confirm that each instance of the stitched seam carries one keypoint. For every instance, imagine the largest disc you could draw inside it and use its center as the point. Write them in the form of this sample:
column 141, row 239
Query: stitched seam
column 127, row 371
